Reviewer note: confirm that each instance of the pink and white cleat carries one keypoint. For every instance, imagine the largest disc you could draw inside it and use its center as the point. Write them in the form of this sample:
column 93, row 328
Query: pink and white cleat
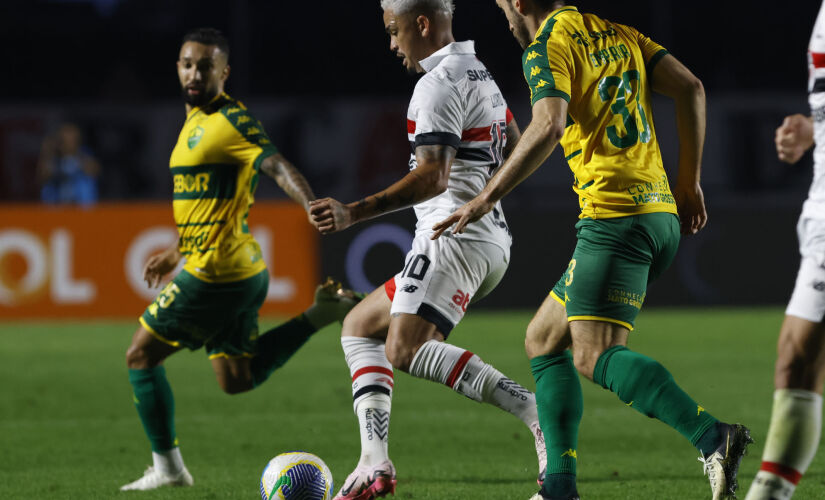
column 368, row 482
column 541, row 451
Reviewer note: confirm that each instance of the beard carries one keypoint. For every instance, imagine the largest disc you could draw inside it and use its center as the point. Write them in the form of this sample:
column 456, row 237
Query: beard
column 200, row 99
column 522, row 35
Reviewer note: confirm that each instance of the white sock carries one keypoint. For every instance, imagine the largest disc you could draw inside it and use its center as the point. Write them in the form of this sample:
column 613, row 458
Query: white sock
column 374, row 422
column 467, row 374
column 793, row 437
column 372, row 385
column 169, row 462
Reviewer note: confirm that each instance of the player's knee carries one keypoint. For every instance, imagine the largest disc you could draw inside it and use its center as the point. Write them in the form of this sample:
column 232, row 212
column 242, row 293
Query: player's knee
column 138, row 358
column 353, row 325
column 399, row 354
column 235, row 385
column 795, row 370
column 585, row 361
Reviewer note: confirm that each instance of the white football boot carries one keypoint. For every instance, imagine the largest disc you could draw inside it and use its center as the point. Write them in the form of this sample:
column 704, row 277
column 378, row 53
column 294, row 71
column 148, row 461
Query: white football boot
column 154, row 478
column 722, row 465
column 369, row 482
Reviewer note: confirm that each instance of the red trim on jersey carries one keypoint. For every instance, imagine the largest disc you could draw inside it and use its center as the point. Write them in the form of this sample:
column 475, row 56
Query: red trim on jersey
column 783, row 471
column 410, row 126
column 372, row 369
column 509, row 116
column 462, row 361
column 476, row 134
column 818, row 58
column 389, row 287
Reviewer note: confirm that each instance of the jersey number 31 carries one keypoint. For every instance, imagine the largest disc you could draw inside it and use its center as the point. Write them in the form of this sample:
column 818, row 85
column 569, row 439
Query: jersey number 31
column 624, row 90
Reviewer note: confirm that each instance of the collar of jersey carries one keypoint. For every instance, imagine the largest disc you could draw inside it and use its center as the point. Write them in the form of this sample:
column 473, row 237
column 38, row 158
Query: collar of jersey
column 466, row 47
column 199, row 108
column 551, row 16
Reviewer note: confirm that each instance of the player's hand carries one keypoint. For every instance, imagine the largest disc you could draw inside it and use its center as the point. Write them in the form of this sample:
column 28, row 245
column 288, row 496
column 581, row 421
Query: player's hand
column 159, row 266
column 330, row 215
column 690, row 201
column 472, row 211
column 794, row 137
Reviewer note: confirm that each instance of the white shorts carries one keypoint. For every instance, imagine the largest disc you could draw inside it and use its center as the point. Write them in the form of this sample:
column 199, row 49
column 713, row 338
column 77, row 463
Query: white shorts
column 808, row 298
column 442, row 277
column 811, row 234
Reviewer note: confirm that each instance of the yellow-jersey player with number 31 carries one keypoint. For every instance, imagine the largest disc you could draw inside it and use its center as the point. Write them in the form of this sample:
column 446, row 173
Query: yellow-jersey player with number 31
column 590, row 87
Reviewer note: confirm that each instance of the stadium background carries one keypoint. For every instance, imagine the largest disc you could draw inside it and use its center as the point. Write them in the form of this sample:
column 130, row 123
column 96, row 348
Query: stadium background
column 333, row 99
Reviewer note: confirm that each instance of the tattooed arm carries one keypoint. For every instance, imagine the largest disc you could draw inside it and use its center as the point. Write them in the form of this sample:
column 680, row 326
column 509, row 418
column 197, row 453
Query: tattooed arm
column 288, row 178
column 429, row 179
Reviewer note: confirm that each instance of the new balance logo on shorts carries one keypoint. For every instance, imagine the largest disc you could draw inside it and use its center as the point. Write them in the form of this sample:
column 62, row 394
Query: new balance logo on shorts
column 409, row 288
column 819, row 286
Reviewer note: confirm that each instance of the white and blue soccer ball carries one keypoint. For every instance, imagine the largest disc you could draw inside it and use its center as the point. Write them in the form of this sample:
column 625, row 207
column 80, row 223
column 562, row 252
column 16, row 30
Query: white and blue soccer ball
column 296, row 475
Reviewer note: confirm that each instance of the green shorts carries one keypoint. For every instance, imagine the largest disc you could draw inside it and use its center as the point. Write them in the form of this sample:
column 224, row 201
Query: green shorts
column 223, row 317
column 612, row 264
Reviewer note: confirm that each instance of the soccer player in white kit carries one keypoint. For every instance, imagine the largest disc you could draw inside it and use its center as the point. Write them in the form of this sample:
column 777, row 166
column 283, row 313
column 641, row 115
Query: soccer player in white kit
column 460, row 130
column 796, row 420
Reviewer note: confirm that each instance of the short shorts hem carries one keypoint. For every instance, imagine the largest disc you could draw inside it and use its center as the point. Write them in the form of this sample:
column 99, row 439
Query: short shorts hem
column 601, row 318
column 557, row 298
column 216, row 355
column 155, row 334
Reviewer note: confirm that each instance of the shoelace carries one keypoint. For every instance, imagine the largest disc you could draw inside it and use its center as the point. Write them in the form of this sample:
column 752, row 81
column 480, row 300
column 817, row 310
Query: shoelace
column 707, row 467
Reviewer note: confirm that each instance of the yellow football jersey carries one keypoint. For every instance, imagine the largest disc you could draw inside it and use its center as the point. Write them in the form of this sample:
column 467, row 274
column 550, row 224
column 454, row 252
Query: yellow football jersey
column 214, row 168
column 601, row 69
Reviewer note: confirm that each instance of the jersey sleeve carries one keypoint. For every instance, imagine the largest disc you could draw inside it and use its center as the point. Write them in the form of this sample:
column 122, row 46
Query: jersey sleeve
column 437, row 113
column 254, row 142
column 651, row 51
column 548, row 67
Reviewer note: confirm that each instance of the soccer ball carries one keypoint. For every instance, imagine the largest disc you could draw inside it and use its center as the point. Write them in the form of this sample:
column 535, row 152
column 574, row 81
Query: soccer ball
column 296, row 475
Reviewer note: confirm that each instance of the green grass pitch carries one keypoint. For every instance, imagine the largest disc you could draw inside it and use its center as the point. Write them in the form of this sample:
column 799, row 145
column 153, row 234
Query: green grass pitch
column 68, row 428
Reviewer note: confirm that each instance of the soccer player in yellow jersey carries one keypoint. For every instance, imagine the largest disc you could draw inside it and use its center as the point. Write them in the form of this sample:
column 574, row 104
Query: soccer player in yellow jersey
column 213, row 302
column 590, row 86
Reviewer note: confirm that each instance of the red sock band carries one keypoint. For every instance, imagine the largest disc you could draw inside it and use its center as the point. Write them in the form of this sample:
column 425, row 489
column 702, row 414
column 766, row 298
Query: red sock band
column 783, row 471
column 462, row 361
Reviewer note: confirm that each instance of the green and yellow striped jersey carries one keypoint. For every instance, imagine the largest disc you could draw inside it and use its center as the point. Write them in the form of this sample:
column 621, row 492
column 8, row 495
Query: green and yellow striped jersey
column 214, row 168
column 601, row 69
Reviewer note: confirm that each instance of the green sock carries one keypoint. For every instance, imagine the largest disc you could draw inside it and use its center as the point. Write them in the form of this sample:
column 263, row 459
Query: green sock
column 156, row 406
column 559, row 402
column 277, row 345
column 644, row 384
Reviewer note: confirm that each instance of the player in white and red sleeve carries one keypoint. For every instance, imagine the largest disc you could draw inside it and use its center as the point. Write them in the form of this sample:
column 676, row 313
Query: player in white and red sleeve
column 460, row 130
column 796, row 420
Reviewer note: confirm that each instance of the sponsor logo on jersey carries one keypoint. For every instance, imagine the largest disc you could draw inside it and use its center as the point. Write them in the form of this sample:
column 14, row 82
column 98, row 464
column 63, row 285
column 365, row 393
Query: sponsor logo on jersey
column 409, row 288
column 191, row 183
column 479, row 75
column 535, row 70
column 195, row 136
column 541, row 84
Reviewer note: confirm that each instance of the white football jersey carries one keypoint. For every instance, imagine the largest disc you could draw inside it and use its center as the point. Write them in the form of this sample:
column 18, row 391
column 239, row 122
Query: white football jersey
column 815, row 204
column 457, row 103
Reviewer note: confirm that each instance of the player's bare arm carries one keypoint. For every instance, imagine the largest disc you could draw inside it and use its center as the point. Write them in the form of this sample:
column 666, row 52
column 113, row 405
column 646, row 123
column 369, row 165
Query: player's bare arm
column 427, row 180
column 794, row 137
column 289, row 179
column 159, row 265
column 673, row 79
column 513, row 137
column 534, row 146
